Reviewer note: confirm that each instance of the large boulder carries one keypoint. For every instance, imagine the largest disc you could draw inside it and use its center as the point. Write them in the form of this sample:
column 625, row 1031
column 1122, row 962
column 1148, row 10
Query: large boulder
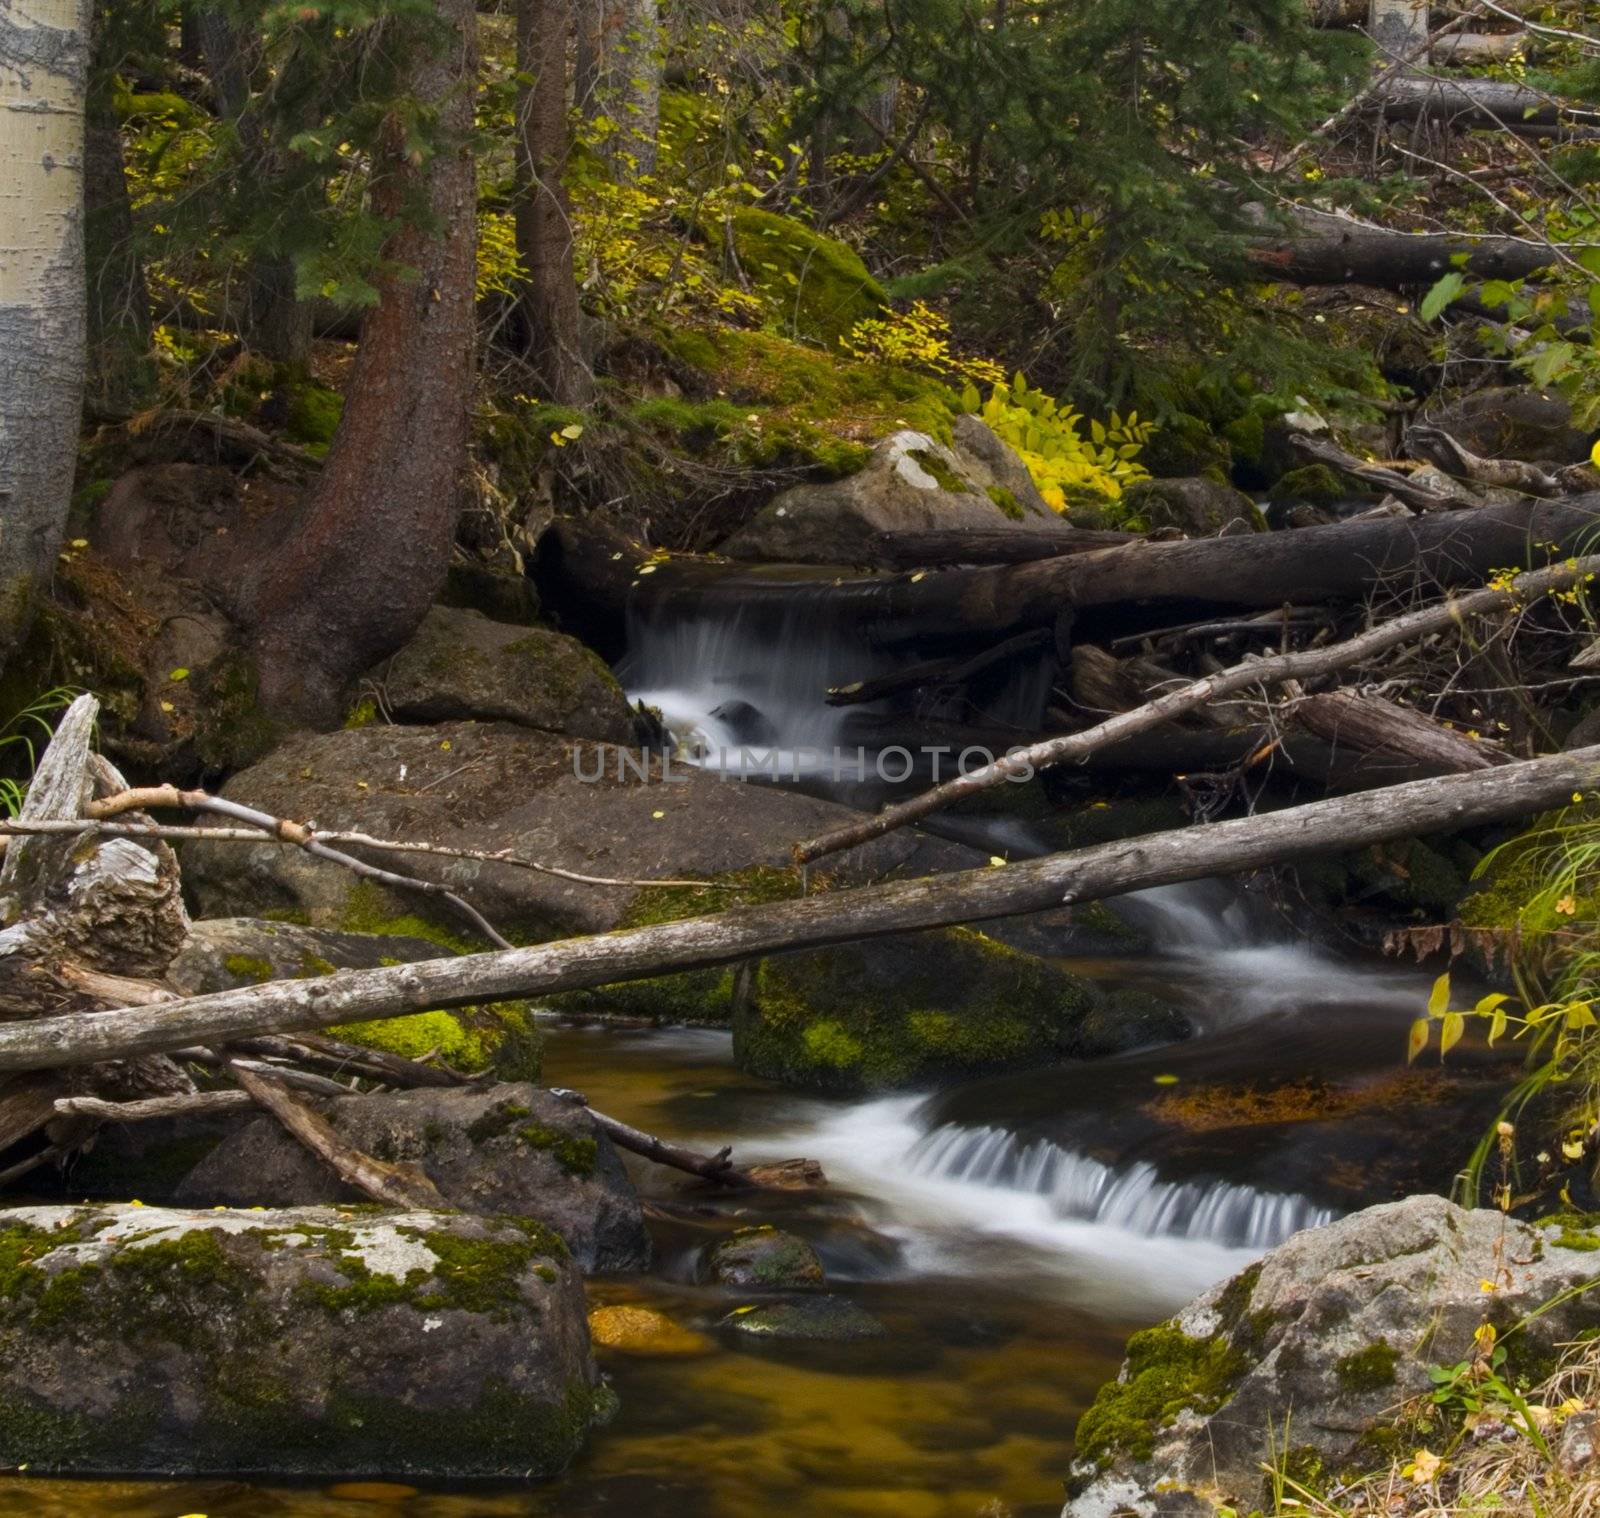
column 509, row 1149
column 493, row 786
column 223, row 953
column 311, row 1342
column 1331, row 1332
column 461, row 665
column 911, row 483
column 1513, row 422
column 1197, row 507
column 817, row 286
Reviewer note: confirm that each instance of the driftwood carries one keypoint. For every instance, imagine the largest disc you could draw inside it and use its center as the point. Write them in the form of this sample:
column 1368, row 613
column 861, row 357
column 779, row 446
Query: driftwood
column 833, row 917
column 396, row 1184
column 1303, row 665
column 1401, row 486
column 1373, row 725
column 1438, row 448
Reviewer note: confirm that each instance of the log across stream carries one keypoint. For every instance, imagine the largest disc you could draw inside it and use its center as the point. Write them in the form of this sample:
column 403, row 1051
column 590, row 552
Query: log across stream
column 1007, row 1233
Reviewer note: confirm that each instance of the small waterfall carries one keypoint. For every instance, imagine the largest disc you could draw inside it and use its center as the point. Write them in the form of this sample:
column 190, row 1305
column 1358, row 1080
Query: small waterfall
column 741, row 676
column 1134, row 1198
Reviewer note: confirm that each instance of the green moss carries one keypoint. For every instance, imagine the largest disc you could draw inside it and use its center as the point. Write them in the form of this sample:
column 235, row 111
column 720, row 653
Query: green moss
column 1167, row 1371
column 473, row 1275
column 943, row 474
column 499, row 1120
column 927, row 1006
column 816, row 287
column 1368, row 1369
column 1247, row 437
column 1315, row 483
column 575, row 1155
column 314, row 413
column 1008, row 503
column 363, row 714
column 243, row 967
column 694, row 996
column 502, row 1036
column 233, row 730
column 368, row 908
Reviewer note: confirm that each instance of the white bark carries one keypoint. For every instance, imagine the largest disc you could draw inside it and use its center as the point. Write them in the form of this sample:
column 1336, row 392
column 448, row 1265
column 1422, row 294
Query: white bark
column 44, row 63
column 1397, row 26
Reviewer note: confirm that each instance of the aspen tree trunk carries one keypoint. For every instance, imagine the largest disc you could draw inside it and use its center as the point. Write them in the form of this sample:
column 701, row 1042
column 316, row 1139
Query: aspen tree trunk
column 1398, row 27
column 44, row 72
column 618, row 77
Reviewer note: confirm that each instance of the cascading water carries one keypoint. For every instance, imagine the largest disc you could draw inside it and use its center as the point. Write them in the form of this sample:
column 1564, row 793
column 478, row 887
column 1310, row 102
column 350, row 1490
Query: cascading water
column 740, row 679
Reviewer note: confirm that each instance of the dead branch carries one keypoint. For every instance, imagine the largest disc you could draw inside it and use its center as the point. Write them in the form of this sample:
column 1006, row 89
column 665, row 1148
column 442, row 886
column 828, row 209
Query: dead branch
column 1417, row 496
column 832, row 917
column 1250, row 672
column 1438, row 448
column 394, row 1184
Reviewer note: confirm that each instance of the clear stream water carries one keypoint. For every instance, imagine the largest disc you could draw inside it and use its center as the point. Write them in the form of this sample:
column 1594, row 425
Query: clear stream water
column 1009, row 1234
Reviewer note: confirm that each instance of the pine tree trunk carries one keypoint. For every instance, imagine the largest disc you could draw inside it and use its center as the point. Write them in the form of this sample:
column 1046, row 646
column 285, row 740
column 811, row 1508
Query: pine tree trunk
column 359, row 567
column 121, row 369
column 44, row 72
column 549, row 303
column 618, row 77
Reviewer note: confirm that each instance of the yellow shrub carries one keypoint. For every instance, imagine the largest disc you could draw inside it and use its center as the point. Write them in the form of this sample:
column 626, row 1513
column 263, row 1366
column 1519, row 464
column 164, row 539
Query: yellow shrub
column 917, row 339
column 1065, row 465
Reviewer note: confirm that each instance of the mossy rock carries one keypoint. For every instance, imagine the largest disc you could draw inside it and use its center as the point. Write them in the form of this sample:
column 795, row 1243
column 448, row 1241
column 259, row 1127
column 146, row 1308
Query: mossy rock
column 222, row 953
column 825, row 1320
column 1184, row 445
column 762, row 1257
column 917, row 1009
column 314, row 1342
column 816, row 286
column 1312, row 484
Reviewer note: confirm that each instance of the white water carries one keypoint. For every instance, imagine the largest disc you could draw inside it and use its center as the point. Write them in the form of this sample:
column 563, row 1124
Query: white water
column 741, row 689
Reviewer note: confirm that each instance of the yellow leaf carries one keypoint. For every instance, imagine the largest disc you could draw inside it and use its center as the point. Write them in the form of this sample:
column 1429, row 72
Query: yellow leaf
column 995, row 861
column 572, row 431
column 1497, row 1026
column 1594, row 455
column 1418, row 1040
column 1450, row 1032
column 1439, row 997
column 658, row 815
column 178, row 674
column 1166, row 1080
column 1567, row 906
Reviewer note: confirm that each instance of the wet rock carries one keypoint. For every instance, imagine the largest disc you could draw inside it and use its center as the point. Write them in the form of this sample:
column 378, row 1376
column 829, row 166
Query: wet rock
column 224, row 952
column 829, row 1320
column 918, row 1009
column 1336, row 1327
column 1513, row 422
column 491, row 786
column 1199, row 507
column 460, row 665
column 763, row 1257
column 627, row 1329
column 508, row 1149
column 310, row 1342
column 910, row 484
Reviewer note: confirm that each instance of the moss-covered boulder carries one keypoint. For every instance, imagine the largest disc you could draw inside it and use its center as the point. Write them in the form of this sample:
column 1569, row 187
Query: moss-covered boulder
column 815, row 286
column 506, row 1149
column 1331, row 1333
column 917, row 1009
column 222, row 953
column 1197, row 507
column 1514, row 422
column 911, row 484
column 762, row 1256
column 318, row 1342
column 461, row 665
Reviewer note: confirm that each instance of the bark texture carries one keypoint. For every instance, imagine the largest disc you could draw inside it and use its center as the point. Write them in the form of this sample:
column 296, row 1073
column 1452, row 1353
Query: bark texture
column 551, row 319
column 44, row 71
column 618, row 78
column 360, row 567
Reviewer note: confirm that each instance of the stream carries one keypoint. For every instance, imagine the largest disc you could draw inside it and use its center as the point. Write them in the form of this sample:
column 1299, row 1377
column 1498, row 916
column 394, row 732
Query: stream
column 1009, row 1233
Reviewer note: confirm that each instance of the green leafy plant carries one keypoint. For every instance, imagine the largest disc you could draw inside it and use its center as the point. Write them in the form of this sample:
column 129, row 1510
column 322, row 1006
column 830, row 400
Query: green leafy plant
column 18, row 740
column 1066, row 466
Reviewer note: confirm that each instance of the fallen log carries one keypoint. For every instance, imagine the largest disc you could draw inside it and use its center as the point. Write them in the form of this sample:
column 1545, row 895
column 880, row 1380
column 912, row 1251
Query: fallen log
column 1401, row 486
column 1437, row 447
column 1500, row 104
column 933, row 550
column 1329, row 249
column 833, row 917
column 938, row 671
column 1142, row 583
column 1303, row 665
column 1467, row 48
column 1372, row 725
